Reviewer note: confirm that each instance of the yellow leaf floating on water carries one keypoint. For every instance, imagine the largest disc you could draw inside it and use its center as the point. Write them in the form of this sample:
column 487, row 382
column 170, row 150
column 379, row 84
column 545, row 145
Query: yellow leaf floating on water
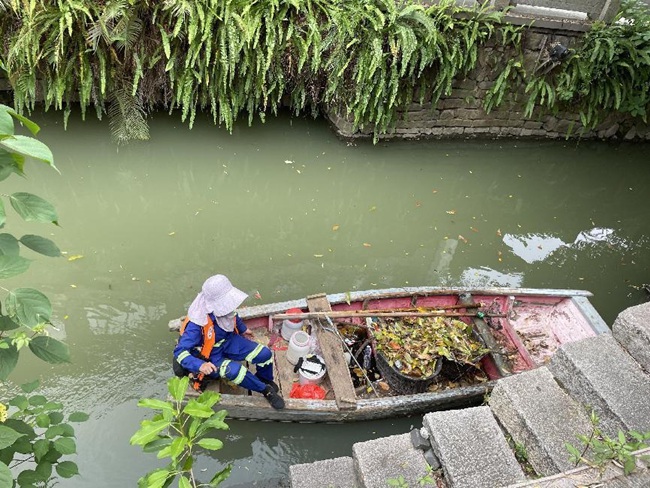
column 367, row 244
column 172, row 233
column 335, row 227
column 318, row 255
column 75, row 257
column 499, row 232
column 462, row 238
column 73, row 286
column 451, row 212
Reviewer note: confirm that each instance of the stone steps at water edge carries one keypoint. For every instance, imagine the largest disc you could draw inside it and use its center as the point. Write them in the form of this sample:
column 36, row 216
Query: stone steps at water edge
column 541, row 417
column 598, row 373
column 472, row 449
column 330, row 473
column 632, row 330
column 379, row 460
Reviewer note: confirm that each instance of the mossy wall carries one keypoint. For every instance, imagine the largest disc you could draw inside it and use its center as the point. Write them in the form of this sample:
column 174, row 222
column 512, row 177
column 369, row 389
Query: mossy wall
column 462, row 114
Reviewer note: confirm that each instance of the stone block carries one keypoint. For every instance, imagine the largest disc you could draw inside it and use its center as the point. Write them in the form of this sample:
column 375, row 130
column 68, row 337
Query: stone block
column 539, row 415
column 598, row 373
column 532, row 124
column 472, row 449
column 380, row 460
column 330, row 473
column 632, row 330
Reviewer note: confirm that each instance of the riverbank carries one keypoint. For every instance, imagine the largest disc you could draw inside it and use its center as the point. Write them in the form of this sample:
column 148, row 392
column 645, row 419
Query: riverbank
column 529, row 419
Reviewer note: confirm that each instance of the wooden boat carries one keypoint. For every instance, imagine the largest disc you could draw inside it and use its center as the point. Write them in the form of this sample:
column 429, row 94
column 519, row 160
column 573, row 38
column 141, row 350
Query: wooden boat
column 521, row 327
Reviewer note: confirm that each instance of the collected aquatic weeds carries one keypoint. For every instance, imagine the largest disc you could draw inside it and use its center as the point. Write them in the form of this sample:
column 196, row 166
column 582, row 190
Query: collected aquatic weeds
column 414, row 345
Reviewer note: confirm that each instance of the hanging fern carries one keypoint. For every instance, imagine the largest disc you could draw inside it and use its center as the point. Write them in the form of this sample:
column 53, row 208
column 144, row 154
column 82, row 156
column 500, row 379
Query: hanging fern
column 366, row 59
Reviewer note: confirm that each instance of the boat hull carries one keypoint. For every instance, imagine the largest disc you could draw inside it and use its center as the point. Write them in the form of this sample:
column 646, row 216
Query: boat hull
column 533, row 323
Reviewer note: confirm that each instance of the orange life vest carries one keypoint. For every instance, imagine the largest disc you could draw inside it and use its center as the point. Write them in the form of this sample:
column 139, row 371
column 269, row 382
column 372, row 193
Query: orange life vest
column 198, row 379
column 208, row 337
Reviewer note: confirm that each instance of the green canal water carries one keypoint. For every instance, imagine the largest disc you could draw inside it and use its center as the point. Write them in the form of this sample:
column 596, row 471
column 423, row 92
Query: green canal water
column 286, row 210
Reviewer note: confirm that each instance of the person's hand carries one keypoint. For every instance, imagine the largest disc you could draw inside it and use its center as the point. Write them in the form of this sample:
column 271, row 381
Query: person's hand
column 207, row 368
column 247, row 333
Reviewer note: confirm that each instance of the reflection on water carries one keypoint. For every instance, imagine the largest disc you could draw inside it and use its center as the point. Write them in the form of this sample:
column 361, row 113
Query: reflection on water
column 107, row 319
column 154, row 219
column 485, row 277
column 538, row 247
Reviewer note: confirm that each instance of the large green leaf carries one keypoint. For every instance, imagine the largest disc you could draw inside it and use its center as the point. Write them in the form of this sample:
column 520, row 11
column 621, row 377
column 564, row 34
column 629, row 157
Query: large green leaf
column 41, row 447
column 8, row 436
column 8, row 244
column 7, row 324
column 177, row 387
column 155, row 404
column 196, row 409
column 65, row 445
column 30, row 147
column 28, row 306
column 211, row 444
column 52, row 455
column 6, row 478
column 12, row 266
column 31, row 126
column 177, row 447
column 41, row 245
column 214, row 422
column 31, row 386
column 157, row 444
column 28, row 477
column 67, row 469
column 44, row 470
column 6, row 122
column 10, row 164
column 8, row 361
column 33, row 208
column 50, row 349
column 148, row 431
column 221, row 476
column 78, row 417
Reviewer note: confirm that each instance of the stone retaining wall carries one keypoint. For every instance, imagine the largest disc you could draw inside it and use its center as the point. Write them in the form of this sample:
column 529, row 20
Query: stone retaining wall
column 461, row 114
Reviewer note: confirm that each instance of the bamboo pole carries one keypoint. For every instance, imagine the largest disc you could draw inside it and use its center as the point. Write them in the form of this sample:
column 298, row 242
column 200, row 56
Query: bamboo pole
column 369, row 313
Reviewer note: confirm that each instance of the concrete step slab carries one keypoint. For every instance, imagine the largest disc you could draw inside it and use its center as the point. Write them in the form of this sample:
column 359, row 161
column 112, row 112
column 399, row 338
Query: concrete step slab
column 611, row 476
column 330, row 473
column 599, row 374
column 472, row 449
column 380, row 460
column 539, row 415
column 632, row 330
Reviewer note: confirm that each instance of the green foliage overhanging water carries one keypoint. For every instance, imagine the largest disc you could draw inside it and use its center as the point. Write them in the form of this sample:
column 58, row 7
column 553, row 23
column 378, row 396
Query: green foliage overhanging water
column 362, row 58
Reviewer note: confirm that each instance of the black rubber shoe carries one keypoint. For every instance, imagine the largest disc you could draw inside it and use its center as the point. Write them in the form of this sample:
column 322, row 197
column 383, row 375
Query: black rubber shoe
column 273, row 398
column 272, row 384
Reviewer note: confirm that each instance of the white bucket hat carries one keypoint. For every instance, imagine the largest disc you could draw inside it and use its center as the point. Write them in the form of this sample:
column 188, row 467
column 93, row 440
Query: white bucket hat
column 217, row 296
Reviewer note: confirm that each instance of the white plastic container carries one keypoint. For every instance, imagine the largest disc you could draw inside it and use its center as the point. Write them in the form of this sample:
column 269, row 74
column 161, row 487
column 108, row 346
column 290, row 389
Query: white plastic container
column 312, row 370
column 298, row 346
column 289, row 326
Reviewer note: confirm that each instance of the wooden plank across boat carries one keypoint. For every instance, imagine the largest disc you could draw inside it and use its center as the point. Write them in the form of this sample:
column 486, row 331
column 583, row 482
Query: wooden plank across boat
column 521, row 327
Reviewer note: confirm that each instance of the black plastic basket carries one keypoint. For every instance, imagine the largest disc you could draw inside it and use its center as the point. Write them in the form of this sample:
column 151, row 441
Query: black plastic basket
column 403, row 384
column 453, row 371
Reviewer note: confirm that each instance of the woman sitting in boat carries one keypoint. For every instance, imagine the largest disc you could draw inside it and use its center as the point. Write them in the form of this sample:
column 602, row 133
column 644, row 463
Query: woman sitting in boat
column 213, row 340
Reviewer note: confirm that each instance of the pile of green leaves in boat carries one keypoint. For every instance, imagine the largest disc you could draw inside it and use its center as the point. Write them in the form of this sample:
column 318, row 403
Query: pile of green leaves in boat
column 414, row 345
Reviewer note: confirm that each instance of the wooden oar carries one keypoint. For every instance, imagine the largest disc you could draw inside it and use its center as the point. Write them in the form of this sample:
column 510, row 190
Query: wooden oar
column 370, row 313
